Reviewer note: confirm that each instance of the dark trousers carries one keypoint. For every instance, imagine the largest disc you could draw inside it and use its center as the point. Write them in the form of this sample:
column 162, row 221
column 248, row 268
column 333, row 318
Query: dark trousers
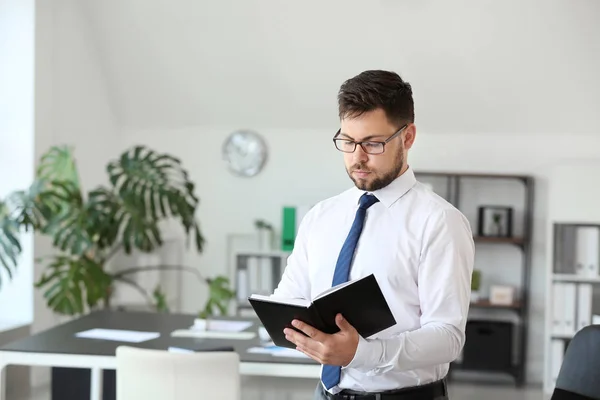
column 321, row 394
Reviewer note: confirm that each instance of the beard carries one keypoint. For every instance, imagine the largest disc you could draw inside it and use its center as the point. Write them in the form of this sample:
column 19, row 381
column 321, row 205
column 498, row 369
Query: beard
column 376, row 180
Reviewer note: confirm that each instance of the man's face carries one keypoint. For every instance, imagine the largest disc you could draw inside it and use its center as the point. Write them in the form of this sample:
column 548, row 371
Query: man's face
column 371, row 172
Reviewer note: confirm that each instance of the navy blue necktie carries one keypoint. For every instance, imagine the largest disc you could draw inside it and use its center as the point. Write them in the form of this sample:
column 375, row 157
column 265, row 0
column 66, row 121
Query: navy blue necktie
column 331, row 373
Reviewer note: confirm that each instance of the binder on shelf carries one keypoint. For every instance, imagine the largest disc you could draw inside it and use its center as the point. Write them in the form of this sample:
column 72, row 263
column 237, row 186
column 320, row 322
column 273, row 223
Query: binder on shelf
column 563, row 308
column 557, row 353
column 266, row 274
column 557, row 308
column 570, row 304
column 584, row 305
column 587, row 250
column 291, row 219
column 253, row 268
column 360, row 301
column 242, row 285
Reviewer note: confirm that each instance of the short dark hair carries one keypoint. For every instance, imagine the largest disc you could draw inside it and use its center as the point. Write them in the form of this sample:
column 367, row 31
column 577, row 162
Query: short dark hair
column 375, row 89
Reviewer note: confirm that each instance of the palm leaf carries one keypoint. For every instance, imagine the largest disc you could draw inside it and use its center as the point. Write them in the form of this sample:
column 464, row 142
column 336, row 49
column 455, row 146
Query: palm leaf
column 10, row 248
column 74, row 283
column 151, row 187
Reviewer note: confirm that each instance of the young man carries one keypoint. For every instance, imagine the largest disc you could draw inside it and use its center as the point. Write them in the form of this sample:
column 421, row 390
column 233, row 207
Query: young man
column 419, row 247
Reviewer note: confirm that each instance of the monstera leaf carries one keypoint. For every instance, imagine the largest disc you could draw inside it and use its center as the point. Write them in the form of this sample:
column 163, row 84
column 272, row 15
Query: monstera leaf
column 74, row 283
column 218, row 298
column 152, row 186
column 58, row 165
column 69, row 226
column 10, row 248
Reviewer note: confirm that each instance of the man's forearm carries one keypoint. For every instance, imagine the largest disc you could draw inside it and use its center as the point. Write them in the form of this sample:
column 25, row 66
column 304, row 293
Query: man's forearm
column 430, row 345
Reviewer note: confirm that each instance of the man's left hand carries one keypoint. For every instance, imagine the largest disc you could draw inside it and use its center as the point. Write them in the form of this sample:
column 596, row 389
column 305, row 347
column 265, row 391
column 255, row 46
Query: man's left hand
column 332, row 349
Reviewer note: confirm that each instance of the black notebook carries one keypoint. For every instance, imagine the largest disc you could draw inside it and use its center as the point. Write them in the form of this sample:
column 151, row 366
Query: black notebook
column 360, row 301
column 195, row 345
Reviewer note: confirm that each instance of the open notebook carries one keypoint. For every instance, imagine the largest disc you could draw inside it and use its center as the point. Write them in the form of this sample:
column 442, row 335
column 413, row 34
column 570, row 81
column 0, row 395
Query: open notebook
column 360, row 301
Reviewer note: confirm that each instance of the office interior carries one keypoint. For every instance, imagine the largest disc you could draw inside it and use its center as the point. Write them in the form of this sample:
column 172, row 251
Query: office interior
column 506, row 99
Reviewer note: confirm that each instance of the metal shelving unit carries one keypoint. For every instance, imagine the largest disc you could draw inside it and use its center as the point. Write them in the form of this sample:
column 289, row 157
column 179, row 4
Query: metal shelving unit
column 451, row 187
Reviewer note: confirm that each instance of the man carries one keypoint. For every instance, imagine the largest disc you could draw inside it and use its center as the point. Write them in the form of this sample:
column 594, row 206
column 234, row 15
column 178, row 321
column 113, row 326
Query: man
column 418, row 246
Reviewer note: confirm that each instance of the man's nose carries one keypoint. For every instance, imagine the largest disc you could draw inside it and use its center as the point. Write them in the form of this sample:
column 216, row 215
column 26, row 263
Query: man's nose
column 360, row 155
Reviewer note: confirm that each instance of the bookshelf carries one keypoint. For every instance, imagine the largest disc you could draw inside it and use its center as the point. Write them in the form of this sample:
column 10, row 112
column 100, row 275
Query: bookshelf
column 469, row 192
column 256, row 271
column 573, row 294
column 572, row 205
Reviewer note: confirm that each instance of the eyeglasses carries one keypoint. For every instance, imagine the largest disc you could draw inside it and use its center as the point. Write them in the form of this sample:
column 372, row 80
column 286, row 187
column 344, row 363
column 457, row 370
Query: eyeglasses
column 369, row 147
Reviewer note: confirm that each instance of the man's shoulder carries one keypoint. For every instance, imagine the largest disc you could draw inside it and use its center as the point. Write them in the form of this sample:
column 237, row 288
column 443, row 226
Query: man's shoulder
column 433, row 204
column 345, row 197
column 334, row 202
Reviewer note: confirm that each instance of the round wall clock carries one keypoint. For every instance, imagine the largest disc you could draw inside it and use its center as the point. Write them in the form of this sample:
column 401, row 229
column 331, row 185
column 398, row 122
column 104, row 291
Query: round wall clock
column 245, row 152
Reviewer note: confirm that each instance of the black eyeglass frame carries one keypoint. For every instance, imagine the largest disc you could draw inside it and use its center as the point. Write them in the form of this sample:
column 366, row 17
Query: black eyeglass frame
column 336, row 139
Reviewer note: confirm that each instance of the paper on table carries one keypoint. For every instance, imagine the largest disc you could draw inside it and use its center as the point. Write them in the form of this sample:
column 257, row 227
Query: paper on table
column 118, row 335
column 213, row 334
column 277, row 351
column 221, row 325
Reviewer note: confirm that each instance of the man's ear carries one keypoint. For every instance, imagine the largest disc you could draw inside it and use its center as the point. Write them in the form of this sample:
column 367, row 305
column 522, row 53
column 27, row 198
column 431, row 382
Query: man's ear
column 409, row 136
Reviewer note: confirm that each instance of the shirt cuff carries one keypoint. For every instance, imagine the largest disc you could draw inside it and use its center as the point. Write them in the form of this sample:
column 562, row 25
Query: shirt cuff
column 366, row 355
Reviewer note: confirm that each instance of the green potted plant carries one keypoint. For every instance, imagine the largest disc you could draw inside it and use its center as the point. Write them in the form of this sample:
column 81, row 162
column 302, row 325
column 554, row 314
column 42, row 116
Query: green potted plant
column 89, row 229
column 475, row 285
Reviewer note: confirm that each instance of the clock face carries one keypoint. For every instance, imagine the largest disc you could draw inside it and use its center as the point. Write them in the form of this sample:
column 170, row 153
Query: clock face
column 245, row 152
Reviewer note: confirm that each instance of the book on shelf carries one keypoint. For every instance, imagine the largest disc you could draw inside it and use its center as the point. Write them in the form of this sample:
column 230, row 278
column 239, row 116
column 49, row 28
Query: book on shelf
column 360, row 301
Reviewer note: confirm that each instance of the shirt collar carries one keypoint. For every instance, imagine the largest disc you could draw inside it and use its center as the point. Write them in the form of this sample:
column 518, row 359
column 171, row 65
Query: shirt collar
column 392, row 192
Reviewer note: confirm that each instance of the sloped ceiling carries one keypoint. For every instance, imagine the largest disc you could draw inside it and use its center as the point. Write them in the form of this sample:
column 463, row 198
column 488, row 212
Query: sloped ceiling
column 478, row 66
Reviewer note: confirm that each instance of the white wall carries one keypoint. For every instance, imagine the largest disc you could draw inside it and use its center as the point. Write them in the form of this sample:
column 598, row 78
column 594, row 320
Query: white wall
column 478, row 66
column 72, row 107
column 17, row 142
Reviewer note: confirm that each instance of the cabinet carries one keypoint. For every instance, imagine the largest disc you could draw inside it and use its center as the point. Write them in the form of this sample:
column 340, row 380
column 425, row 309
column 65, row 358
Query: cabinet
column 573, row 217
column 256, row 272
column 503, row 258
column 573, row 300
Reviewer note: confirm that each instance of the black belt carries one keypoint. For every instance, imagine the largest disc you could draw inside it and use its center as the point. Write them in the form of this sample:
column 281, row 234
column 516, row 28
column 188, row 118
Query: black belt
column 430, row 391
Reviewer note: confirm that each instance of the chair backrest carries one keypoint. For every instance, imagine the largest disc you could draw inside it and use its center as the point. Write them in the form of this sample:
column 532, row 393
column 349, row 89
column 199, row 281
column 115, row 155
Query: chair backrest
column 146, row 374
column 579, row 373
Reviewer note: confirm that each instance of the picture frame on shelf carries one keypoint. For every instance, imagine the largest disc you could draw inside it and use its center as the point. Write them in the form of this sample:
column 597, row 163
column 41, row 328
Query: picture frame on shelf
column 495, row 221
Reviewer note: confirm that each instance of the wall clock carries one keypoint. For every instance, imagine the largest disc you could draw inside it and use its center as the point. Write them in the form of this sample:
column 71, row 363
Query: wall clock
column 245, row 152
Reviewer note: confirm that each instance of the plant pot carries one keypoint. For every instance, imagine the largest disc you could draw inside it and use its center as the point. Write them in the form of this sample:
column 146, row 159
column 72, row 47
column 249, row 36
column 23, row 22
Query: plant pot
column 475, row 296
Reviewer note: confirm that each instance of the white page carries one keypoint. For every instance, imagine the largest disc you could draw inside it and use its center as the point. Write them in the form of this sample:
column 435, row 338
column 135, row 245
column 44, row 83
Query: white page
column 277, row 351
column 173, row 349
column 340, row 286
column 213, row 334
column 221, row 325
column 118, row 335
column 295, row 302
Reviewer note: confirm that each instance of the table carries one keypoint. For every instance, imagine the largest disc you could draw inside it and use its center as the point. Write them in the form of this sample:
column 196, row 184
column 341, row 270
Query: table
column 59, row 347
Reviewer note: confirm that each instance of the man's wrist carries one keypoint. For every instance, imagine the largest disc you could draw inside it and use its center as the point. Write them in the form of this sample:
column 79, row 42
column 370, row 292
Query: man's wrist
column 367, row 352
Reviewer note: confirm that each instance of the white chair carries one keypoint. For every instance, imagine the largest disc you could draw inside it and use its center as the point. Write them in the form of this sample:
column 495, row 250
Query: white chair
column 146, row 374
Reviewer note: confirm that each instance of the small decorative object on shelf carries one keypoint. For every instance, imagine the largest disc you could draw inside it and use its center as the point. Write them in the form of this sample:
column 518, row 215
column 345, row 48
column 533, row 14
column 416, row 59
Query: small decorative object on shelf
column 502, row 295
column 475, row 285
column 266, row 235
column 495, row 221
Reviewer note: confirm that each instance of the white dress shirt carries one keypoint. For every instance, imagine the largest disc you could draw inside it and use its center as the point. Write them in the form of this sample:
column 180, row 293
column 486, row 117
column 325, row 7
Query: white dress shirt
column 420, row 248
